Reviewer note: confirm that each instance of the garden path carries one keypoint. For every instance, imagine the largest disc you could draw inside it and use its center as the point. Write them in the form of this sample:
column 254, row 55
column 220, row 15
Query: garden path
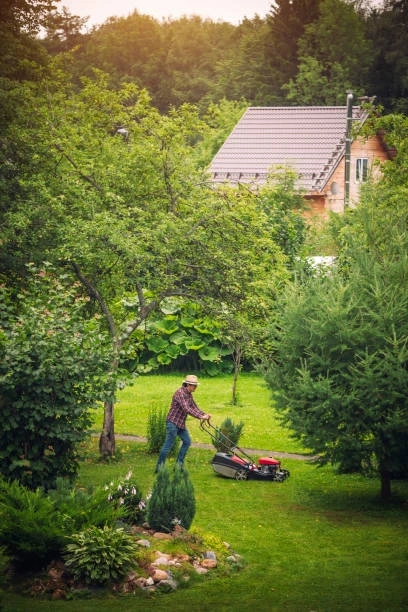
column 249, row 451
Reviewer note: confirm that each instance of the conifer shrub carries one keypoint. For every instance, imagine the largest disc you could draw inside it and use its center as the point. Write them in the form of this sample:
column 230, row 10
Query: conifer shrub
column 156, row 431
column 34, row 524
column 228, row 433
column 172, row 502
column 30, row 529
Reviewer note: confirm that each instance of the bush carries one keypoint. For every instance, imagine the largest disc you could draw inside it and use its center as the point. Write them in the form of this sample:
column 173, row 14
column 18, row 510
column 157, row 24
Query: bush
column 30, row 529
column 172, row 501
column 79, row 508
column 228, row 435
column 34, row 524
column 4, row 566
column 52, row 367
column 98, row 556
column 156, row 431
column 127, row 497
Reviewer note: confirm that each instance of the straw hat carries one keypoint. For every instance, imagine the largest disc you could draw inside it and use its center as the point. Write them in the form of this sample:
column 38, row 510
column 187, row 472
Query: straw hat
column 191, row 380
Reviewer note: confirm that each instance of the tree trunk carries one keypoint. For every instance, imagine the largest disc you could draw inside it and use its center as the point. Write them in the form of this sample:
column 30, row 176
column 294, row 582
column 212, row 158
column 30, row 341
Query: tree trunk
column 237, row 367
column 107, row 439
column 385, row 484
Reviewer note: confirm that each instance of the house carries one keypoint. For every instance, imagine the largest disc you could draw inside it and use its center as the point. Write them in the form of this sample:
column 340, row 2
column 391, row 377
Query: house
column 315, row 141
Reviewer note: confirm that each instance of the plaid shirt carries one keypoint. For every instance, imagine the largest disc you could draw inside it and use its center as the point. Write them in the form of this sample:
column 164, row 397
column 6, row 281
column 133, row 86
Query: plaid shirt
column 182, row 404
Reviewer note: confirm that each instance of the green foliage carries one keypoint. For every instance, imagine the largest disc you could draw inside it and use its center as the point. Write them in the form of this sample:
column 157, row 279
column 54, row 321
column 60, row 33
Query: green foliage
column 228, row 429
column 156, row 431
column 334, row 56
column 159, row 233
column 283, row 205
column 34, row 523
column 387, row 27
column 79, row 508
column 4, row 566
column 50, row 375
column 172, row 502
column 98, row 556
column 127, row 496
column 181, row 337
column 340, row 344
column 30, row 530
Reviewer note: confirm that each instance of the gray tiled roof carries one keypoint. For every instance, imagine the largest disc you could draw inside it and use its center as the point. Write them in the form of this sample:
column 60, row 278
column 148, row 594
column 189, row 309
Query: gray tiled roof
column 309, row 139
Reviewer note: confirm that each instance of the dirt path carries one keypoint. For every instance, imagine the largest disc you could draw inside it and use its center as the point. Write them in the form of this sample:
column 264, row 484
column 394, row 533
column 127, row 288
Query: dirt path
column 249, row 451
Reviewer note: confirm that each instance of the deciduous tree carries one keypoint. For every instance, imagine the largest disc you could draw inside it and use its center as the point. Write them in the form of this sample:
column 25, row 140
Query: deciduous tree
column 114, row 198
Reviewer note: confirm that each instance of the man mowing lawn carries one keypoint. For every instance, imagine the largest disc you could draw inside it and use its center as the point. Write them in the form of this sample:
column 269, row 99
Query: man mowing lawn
column 182, row 404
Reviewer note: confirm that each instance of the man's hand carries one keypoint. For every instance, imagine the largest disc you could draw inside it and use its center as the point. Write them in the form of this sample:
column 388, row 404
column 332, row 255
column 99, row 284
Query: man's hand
column 206, row 417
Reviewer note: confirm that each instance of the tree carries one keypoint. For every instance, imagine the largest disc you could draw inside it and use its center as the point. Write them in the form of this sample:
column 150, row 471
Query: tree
column 172, row 503
column 130, row 216
column 21, row 55
column 51, row 374
column 241, row 70
column 63, row 31
column 286, row 25
column 387, row 29
column 334, row 55
column 340, row 361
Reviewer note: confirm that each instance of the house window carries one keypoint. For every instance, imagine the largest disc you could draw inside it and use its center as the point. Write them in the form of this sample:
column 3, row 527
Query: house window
column 361, row 169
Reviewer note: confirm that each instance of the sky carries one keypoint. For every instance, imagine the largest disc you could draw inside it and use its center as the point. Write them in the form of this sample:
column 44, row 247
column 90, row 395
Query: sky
column 233, row 11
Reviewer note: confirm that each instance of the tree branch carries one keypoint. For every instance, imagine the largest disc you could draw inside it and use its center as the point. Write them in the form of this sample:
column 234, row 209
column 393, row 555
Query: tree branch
column 94, row 293
column 73, row 163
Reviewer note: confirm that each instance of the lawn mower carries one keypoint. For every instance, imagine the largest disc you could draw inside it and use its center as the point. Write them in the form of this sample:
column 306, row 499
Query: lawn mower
column 235, row 463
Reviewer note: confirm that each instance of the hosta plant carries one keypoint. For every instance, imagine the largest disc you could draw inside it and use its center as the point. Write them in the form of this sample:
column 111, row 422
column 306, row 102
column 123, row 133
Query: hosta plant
column 98, row 556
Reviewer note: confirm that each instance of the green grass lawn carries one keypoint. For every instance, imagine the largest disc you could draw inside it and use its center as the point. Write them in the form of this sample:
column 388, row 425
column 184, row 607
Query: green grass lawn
column 317, row 542
column 262, row 429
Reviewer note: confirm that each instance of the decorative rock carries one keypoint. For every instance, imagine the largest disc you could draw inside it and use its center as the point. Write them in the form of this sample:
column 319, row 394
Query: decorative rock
column 201, row 570
column 141, row 582
column 209, row 563
column 161, row 561
column 167, row 585
column 162, row 536
column 144, row 543
column 162, row 555
column 149, row 581
column 209, row 554
column 159, row 575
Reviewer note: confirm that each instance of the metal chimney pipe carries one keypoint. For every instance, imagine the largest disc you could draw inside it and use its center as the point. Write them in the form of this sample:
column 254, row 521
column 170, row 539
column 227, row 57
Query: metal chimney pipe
column 348, row 149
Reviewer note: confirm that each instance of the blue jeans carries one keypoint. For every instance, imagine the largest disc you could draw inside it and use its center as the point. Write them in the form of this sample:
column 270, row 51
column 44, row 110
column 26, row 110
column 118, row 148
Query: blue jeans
column 172, row 431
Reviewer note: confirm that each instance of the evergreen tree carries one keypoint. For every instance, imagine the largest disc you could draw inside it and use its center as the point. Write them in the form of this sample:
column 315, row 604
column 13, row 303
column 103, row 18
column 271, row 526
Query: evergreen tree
column 172, row 502
column 341, row 342
column 387, row 27
column 334, row 56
